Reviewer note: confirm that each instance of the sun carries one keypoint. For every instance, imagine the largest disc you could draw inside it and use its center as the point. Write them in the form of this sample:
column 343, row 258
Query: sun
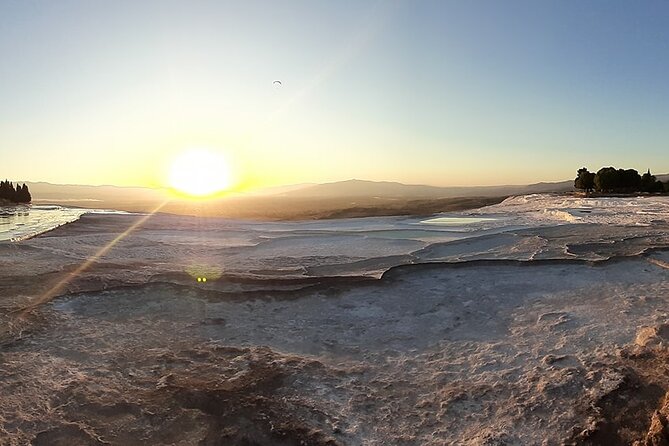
column 200, row 173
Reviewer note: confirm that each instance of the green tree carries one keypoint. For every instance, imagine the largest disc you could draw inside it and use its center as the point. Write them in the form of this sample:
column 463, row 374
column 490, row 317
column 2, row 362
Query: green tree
column 585, row 180
column 607, row 179
column 629, row 180
column 18, row 194
column 649, row 183
column 23, row 194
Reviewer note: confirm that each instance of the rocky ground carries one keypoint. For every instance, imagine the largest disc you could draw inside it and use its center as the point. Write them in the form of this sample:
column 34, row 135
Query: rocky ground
column 552, row 335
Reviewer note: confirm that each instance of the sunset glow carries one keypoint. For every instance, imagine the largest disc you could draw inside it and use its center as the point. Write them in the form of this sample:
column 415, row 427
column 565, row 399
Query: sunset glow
column 200, row 173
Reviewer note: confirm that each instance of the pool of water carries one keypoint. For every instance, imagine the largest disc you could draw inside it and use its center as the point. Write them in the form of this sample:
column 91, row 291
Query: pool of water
column 455, row 221
column 21, row 222
column 24, row 221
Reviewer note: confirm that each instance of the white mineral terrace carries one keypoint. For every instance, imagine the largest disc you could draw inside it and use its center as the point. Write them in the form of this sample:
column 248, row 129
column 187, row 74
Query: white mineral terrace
column 540, row 320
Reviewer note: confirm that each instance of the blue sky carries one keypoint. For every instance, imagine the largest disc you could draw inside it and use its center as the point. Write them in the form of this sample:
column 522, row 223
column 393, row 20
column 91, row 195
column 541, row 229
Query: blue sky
column 444, row 92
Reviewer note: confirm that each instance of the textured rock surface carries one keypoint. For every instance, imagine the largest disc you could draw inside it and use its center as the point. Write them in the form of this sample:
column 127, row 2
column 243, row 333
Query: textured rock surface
column 551, row 335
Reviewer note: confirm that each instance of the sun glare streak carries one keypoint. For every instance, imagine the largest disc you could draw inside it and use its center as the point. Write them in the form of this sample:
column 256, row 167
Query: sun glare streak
column 60, row 286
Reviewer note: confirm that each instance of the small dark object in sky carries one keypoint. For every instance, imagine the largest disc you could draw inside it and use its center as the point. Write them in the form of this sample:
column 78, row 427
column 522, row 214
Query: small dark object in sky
column 277, row 83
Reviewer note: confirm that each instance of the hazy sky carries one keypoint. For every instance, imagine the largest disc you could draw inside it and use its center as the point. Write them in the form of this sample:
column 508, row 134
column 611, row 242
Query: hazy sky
column 443, row 92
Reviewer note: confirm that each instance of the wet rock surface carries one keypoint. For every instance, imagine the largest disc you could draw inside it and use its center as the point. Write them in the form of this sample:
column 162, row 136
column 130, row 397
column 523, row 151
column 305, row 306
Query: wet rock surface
column 519, row 338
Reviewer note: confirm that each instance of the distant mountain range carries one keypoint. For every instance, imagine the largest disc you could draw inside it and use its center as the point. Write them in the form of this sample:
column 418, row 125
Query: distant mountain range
column 43, row 191
column 351, row 198
column 388, row 189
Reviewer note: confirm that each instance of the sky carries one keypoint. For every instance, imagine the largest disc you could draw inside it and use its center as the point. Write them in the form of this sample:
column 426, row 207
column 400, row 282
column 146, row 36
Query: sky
column 425, row 92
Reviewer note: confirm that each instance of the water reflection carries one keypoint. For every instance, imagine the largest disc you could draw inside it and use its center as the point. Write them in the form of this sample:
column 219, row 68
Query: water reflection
column 23, row 221
column 455, row 221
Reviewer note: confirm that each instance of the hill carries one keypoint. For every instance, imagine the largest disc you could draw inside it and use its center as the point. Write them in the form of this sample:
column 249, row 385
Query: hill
column 63, row 193
column 352, row 198
column 388, row 189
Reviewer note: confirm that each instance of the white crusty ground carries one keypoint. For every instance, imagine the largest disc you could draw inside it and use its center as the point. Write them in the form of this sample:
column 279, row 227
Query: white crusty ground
column 521, row 336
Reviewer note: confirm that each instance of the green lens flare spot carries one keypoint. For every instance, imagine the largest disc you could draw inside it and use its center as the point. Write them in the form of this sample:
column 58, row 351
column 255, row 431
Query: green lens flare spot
column 204, row 273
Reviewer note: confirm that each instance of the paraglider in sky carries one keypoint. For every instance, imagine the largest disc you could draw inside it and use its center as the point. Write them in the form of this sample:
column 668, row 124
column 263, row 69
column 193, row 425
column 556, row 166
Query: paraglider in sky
column 277, row 83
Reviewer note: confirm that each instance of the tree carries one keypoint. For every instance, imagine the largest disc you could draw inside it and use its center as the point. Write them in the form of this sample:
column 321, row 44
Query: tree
column 649, row 183
column 18, row 194
column 629, row 180
column 23, row 194
column 7, row 191
column 585, row 180
column 607, row 179
column 610, row 179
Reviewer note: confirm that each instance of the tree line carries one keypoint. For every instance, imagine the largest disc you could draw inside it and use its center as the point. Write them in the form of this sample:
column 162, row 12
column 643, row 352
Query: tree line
column 610, row 179
column 18, row 194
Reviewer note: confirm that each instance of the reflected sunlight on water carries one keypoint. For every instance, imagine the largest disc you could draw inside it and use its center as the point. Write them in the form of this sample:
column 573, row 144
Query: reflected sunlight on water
column 24, row 221
column 20, row 222
column 455, row 221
